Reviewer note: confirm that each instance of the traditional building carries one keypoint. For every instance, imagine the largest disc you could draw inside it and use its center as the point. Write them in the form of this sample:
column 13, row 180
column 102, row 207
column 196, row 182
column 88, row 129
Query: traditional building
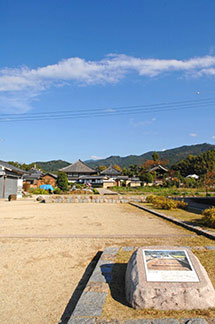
column 48, row 178
column 94, row 181
column 10, row 180
column 31, row 178
column 111, row 172
column 74, row 171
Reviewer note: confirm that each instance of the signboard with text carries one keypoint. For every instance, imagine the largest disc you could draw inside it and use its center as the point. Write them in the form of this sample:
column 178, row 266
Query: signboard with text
column 169, row 266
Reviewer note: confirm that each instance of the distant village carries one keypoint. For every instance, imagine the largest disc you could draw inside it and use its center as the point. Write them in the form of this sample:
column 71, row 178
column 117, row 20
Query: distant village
column 15, row 181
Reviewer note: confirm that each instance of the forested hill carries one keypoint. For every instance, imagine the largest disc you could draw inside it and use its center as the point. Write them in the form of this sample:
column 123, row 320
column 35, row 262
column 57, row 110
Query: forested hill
column 173, row 156
column 52, row 166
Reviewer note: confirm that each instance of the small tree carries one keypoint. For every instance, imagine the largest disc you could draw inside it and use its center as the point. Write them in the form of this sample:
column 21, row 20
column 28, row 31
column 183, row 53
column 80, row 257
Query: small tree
column 209, row 180
column 147, row 177
column 117, row 167
column 62, row 181
column 155, row 156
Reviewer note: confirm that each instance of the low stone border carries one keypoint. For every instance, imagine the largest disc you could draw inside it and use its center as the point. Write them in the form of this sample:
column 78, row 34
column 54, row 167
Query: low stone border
column 177, row 221
column 114, row 199
column 89, row 307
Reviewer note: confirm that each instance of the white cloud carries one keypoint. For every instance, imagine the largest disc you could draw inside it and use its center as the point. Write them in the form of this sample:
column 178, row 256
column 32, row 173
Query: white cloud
column 213, row 137
column 108, row 70
column 163, row 150
column 193, row 134
column 94, row 157
column 141, row 123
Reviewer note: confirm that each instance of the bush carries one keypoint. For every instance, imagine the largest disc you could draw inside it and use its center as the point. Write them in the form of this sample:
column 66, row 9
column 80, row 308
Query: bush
column 57, row 191
column 208, row 218
column 150, row 198
column 95, row 191
column 181, row 204
column 164, row 203
column 38, row 191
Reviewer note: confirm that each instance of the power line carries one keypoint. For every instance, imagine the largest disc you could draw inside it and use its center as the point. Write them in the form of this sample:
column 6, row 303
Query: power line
column 112, row 111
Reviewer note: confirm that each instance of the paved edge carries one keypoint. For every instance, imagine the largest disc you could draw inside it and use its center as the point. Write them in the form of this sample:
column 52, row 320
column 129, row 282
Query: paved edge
column 89, row 307
column 176, row 221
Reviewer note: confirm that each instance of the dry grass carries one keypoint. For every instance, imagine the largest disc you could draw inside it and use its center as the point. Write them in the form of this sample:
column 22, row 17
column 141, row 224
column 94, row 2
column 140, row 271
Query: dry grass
column 181, row 214
column 116, row 305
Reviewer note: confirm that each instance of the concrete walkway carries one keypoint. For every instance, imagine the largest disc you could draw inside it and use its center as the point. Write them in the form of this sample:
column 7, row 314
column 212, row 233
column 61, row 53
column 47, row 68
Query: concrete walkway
column 103, row 191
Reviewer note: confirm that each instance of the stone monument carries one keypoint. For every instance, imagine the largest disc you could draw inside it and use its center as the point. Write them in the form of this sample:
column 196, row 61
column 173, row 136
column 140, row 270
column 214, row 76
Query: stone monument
column 167, row 278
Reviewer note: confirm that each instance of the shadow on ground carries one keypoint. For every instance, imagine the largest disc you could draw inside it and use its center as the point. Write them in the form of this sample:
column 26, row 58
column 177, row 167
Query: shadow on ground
column 117, row 283
column 79, row 289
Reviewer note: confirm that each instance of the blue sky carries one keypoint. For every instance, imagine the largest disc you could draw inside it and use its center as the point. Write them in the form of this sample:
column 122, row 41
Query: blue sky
column 73, row 55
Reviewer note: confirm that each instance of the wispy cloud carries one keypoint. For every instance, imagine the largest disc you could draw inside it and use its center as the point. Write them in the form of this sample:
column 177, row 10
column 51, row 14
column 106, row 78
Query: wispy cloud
column 213, row 137
column 141, row 123
column 95, row 157
column 193, row 134
column 111, row 69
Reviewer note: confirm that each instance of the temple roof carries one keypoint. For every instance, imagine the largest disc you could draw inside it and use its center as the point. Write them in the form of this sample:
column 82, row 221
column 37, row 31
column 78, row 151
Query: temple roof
column 111, row 171
column 78, row 167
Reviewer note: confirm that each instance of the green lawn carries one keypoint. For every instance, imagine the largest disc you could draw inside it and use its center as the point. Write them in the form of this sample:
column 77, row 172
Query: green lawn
column 173, row 191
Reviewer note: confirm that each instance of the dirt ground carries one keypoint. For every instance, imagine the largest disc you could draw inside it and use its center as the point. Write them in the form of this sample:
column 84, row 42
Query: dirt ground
column 45, row 249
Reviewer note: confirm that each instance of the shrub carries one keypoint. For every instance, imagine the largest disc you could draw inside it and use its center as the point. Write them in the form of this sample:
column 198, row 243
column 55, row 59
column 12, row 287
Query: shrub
column 57, row 191
column 38, row 191
column 95, row 191
column 79, row 185
column 181, row 204
column 164, row 203
column 208, row 218
column 150, row 198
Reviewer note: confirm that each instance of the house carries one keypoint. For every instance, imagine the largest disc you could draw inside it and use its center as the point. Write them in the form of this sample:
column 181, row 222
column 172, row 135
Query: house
column 10, row 180
column 31, row 178
column 79, row 168
column 133, row 182
column 111, row 172
column 94, row 181
column 160, row 172
column 121, row 181
column 47, row 178
column 159, row 169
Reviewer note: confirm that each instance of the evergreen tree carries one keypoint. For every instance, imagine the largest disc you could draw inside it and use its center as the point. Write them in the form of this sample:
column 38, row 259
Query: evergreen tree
column 155, row 156
column 62, row 181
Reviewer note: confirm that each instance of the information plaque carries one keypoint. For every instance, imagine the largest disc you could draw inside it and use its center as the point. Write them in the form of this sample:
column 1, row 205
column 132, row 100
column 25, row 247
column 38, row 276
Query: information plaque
column 169, row 266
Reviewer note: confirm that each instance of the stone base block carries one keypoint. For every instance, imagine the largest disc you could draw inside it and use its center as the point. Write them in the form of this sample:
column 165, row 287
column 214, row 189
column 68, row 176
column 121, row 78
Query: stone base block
column 141, row 293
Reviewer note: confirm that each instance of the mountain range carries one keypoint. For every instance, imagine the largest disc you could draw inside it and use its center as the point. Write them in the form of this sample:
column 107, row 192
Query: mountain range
column 172, row 155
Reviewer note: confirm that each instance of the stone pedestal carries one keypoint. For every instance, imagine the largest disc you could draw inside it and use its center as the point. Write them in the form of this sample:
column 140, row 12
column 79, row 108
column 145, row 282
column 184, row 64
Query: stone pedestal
column 142, row 293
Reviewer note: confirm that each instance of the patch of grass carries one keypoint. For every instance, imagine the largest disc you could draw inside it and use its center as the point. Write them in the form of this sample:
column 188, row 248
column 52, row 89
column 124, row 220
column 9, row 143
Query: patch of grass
column 160, row 191
column 186, row 216
column 116, row 305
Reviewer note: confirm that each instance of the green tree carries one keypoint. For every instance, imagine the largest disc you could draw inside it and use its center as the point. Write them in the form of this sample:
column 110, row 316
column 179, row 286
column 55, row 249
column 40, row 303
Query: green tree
column 147, row 177
column 62, row 181
column 209, row 180
column 155, row 156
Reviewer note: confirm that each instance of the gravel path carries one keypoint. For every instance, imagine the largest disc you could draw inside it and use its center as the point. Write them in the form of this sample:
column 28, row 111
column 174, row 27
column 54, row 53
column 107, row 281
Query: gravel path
column 54, row 243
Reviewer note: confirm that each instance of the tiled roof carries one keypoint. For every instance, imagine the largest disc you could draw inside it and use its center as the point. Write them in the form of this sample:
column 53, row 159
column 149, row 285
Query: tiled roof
column 111, row 171
column 78, row 167
column 11, row 167
column 157, row 167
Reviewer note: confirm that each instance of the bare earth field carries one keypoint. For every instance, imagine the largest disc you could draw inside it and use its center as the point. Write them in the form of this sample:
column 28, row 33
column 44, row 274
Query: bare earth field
column 45, row 249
